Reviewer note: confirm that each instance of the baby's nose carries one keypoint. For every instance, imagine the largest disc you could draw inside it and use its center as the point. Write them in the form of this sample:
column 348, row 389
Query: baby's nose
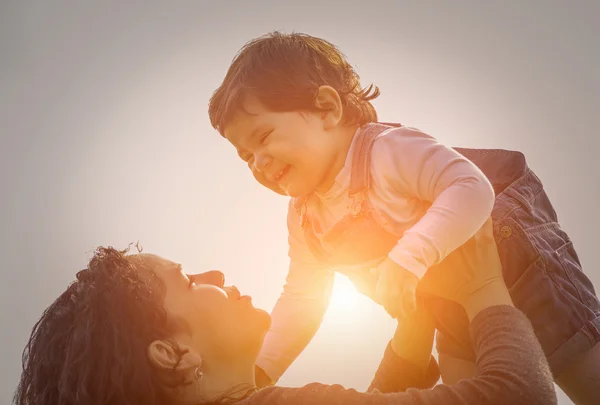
column 262, row 161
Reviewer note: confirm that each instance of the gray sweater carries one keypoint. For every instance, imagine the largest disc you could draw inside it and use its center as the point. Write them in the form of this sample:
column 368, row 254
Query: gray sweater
column 512, row 369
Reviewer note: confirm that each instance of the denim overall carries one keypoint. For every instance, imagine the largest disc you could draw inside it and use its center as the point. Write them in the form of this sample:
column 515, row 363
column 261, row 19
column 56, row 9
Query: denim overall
column 540, row 266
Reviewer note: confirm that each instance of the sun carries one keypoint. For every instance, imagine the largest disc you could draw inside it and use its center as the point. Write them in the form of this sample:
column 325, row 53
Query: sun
column 345, row 298
column 347, row 305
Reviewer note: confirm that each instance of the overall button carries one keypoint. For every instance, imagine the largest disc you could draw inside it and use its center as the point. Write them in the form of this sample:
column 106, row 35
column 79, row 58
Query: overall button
column 505, row 231
column 355, row 209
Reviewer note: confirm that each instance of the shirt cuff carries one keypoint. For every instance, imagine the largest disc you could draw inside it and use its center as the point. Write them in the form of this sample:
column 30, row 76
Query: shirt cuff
column 407, row 261
column 271, row 369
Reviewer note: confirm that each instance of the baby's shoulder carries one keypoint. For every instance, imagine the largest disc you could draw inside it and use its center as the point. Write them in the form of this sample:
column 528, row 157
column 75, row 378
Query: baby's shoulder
column 400, row 134
column 399, row 141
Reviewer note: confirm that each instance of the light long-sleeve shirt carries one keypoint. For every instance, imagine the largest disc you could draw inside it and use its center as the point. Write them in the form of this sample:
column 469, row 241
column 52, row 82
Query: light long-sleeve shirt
column 428, row 193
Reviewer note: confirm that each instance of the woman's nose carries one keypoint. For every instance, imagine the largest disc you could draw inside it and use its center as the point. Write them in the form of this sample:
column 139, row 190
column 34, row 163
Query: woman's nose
column 232, row 292
column 214, row 277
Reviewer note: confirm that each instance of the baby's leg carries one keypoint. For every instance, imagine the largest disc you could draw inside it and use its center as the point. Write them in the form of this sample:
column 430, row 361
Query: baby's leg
column 456, row 358
column 581, row 380
column 454, row 369
column 545, row 278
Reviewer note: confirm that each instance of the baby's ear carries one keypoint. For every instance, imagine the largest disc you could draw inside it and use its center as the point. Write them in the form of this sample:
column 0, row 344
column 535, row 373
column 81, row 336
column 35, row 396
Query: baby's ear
column 329, row 102
column 167, row 356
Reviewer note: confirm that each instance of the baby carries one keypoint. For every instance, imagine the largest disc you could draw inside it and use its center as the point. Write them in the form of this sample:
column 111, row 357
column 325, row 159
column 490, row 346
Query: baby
column 383, row 203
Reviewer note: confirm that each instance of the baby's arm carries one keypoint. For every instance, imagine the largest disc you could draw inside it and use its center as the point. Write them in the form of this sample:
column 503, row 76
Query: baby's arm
column 407, row 362
column 299, row 311
column 296, row 317
column 412, row 164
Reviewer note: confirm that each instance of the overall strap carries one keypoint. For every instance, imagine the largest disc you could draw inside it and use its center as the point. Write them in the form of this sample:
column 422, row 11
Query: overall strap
column 360, row 177
column 360, row 181
column 501, row 167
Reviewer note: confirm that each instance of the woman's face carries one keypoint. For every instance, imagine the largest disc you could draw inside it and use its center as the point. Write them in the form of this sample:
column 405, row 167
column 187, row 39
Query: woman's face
column 217, row 322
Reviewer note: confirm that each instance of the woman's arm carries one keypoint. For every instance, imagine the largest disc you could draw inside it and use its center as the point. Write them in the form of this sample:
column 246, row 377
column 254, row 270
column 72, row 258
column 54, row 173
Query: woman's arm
column 511, row 365
column 512, row 369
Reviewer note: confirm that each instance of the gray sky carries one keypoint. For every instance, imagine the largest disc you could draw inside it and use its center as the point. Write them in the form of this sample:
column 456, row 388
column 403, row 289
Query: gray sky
column 105, row 139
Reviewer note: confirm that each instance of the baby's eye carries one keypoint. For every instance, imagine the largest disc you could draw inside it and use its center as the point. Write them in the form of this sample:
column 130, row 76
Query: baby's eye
column 264, row 137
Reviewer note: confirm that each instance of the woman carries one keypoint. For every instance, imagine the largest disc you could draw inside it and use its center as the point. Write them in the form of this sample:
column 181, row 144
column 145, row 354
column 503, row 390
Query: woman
column 136, row 329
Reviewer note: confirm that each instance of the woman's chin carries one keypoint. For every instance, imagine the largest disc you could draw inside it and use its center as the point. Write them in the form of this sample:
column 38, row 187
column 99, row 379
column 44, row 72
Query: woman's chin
column 257, row 330
column 263, row 319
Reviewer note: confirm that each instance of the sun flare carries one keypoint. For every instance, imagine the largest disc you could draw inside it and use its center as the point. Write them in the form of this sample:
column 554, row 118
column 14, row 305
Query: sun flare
column 345, row 297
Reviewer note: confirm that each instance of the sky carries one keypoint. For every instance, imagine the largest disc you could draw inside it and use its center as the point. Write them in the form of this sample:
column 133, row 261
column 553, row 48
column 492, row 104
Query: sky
column 105, row 138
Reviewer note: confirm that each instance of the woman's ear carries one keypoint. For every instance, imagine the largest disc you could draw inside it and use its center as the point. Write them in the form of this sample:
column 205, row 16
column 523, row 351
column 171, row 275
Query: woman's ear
column 168, row 356
column 329, row 103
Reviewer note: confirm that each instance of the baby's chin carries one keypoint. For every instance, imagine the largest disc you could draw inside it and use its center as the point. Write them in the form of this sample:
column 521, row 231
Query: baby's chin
column 276, row 188
column 295, row 190
column 288, row 189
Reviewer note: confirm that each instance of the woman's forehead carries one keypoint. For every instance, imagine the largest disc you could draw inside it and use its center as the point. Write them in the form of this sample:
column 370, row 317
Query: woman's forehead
column 155, row 262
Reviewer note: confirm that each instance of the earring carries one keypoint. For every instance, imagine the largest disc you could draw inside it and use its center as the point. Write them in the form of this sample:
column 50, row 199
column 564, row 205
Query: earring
column 198, row 373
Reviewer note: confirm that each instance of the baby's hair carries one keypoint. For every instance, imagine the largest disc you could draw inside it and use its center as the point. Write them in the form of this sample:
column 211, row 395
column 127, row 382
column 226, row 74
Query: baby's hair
column 89, row 346
column 284, row 72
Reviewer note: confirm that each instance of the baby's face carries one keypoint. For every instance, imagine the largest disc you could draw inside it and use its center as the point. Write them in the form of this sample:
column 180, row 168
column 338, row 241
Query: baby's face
column 290, row 153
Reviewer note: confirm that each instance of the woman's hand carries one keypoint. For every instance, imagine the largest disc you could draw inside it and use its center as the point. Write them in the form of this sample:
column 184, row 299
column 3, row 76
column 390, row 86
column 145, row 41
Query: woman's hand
column 471, row 275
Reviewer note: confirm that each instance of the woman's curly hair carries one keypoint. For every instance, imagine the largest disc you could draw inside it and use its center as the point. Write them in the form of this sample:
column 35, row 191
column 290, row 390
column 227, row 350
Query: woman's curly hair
column 89, row 347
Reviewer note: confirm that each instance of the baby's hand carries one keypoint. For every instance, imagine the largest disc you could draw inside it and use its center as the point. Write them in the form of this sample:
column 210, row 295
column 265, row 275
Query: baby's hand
column 396, row 288
column 261, row 378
